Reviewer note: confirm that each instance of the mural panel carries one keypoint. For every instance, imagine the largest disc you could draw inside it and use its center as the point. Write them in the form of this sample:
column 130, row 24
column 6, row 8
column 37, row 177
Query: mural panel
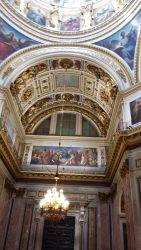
column 67, row 81
column 135, row 109
column 123, row 42
column 35, row 15
column 68, row 156
column 11, row 40
column 71, row 23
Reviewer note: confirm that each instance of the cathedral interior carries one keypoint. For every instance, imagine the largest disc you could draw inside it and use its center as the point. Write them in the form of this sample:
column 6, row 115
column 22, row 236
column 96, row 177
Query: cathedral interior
column 70, row 104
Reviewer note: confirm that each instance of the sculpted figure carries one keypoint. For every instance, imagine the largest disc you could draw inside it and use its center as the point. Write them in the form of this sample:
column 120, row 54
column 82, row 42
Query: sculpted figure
column 86, row 14
column 54, row 19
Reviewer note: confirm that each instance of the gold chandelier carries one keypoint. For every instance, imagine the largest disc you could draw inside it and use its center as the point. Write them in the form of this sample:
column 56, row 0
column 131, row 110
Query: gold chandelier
column 54, row 205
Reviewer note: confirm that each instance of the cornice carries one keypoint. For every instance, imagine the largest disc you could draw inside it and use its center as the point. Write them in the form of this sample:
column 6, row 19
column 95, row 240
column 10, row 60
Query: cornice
column 124, row 140
column 8, row 155
column 42, row 34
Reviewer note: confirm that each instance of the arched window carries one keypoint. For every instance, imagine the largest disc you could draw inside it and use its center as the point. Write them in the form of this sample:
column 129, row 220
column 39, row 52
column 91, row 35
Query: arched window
column 43, row 128
column 68, row 126
column 88, row 129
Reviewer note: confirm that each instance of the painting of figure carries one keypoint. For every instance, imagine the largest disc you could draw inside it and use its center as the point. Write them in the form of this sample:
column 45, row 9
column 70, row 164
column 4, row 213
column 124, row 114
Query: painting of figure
column 123, row 42
column 103, row 13
column 36, row 16
column 135, row 108
column 11, row 40
column 70, row 24
column 66, row 156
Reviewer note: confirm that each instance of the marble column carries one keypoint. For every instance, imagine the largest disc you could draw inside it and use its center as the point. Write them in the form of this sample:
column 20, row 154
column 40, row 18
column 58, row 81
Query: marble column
column 92, row 228
column 14, row 226
column 105, row 221
column 5, row 207
column 124, row 173
column 82, row 222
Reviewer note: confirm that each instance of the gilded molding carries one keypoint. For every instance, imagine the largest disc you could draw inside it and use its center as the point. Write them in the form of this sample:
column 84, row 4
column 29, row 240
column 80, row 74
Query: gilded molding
column 124, row 140
column 137, row 67
column 8, row 155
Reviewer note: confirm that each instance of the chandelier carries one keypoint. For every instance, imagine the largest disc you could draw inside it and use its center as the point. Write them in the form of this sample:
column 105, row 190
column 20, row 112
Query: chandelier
column 54, row 205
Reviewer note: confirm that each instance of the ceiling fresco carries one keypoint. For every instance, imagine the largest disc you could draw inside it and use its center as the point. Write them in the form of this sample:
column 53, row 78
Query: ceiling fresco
column 68, row 15
column 123, row 42
column 82, row 87
column 11, row 40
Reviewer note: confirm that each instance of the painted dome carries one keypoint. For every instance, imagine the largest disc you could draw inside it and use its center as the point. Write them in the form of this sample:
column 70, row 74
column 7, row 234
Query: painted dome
column 68, row 15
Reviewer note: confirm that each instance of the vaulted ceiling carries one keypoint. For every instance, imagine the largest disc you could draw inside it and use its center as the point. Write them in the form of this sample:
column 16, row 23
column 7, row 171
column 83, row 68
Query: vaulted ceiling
column 80, row 85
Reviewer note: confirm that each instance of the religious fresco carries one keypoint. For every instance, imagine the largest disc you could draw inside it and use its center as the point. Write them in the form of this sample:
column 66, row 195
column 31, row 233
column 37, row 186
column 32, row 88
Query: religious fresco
column 68, row 80
column 11, row 40
column 35, row 15
column 68, row 156
column 123, row 42
column 135, row 109
column 68, row 15
column 71, row 23
column 103, row 13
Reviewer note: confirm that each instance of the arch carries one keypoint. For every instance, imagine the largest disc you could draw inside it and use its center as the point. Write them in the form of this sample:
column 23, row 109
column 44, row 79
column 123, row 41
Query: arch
column 102, row 57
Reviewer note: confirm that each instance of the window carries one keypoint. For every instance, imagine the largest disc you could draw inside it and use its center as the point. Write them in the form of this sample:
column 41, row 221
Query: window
column 88, row 128
column 69, row 124
column 43, row 128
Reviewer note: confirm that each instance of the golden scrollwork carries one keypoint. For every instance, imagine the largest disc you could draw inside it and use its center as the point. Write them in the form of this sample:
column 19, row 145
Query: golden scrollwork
column 7, row 72
column 99, row 73
column 20, row 82
column 27, row 94
column 66, row 63
column 74, row 101
column 30, row 123
column 121, row 74
column 113, row 92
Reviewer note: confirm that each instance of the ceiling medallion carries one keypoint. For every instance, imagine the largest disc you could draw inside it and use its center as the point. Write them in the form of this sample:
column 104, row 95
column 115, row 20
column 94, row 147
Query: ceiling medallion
column 66, row 63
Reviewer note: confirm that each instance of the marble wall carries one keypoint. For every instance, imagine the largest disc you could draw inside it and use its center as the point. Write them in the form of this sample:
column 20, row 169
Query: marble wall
column 99, row 211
